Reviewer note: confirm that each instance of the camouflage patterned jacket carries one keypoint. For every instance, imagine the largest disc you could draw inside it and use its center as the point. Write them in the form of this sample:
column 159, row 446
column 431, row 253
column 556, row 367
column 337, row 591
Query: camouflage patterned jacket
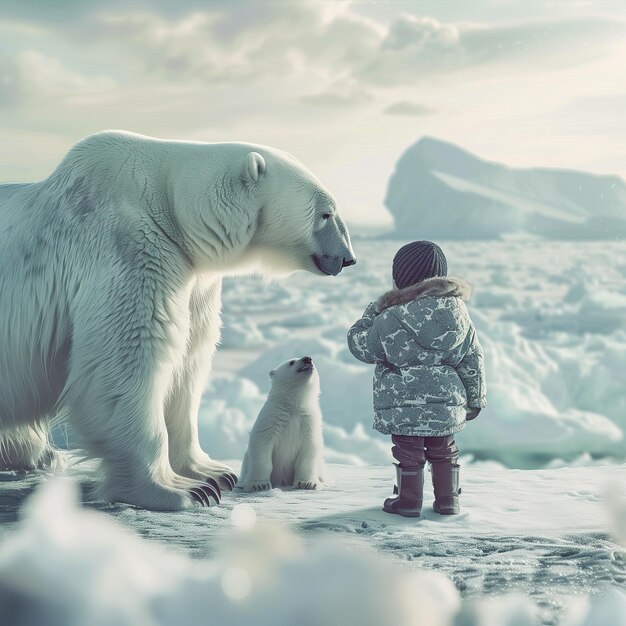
column 429, row 363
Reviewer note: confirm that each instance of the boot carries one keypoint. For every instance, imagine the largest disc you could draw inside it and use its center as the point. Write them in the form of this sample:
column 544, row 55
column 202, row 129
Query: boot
column 446, row 487
column 410, row 486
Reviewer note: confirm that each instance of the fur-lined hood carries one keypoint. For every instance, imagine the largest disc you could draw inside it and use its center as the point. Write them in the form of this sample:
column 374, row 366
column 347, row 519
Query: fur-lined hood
column 437, row 287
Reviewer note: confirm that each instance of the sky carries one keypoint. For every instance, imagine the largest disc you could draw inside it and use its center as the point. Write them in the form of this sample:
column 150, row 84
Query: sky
column 344, row 86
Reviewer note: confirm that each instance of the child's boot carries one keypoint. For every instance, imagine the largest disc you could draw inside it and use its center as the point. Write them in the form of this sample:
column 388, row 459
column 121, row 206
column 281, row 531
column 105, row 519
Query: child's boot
column 446, row 487
column 410, row 485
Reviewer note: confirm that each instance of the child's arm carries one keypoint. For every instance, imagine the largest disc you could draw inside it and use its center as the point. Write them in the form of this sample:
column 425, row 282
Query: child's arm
column 363, row 340
column 471, row 370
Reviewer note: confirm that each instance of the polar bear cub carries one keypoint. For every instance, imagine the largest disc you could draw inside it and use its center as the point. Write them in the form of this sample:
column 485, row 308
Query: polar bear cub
column 286, row 444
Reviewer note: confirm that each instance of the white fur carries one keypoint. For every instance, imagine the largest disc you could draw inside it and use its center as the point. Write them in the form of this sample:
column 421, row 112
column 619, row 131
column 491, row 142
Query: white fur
column 110, row 285
column 286, row 446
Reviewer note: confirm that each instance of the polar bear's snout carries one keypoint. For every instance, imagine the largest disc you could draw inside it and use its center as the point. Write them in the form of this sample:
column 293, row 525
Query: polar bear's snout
column 334, row 248
column 332, row 265
column 306, row 364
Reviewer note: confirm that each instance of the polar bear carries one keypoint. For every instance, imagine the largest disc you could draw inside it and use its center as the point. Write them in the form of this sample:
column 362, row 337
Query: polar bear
column 110, row 283
column 286, row 445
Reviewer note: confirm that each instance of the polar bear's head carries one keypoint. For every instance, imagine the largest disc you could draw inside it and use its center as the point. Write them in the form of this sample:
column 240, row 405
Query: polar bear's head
column 296, row 376
column 298, row 226
column 237, row 207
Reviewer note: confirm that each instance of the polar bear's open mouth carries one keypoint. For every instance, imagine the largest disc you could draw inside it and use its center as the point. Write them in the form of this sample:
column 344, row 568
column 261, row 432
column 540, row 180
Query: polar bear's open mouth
column 307, row 367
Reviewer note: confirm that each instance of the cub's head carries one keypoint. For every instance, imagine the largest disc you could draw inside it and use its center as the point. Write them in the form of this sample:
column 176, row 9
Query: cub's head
column 296, row 375
column 299, row 226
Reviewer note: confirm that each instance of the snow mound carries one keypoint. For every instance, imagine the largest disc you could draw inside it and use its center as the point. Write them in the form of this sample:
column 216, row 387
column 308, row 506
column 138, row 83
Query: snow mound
column 238, row 333
column 227, row 414
column 441, row 191
column 532, row 407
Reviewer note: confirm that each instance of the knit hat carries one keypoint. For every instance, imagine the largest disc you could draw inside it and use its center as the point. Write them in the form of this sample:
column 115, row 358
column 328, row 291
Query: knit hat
column 418, row 261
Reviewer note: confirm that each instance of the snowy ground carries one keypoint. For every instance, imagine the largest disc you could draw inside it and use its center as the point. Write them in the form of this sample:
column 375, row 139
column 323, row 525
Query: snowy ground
column 542, row 534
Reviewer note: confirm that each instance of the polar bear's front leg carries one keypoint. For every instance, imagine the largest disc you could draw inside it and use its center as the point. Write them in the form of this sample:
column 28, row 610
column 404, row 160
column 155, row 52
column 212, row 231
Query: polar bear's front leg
column 123, row 354
column 181, row 411
column 118, row 417
column 307, row 474
column 256, row 471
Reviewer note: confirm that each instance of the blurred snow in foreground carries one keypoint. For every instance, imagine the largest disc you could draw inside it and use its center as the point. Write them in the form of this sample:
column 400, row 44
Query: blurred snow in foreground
column 67, row 566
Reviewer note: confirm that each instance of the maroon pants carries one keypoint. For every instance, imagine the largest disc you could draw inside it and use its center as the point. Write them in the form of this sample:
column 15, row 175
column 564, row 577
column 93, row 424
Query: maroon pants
column 410, row 451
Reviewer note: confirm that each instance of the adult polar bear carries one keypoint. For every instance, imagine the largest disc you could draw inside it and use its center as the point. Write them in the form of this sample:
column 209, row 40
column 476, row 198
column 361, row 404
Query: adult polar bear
column 110, row 283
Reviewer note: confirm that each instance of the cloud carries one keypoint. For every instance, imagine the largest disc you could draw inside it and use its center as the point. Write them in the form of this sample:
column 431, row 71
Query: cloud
column 339, row 95
column 238, row 43
column 31, row 76
column 9, row 81
column 413, row 109
column 312, row 46
column 316, row 78
column 415, row 47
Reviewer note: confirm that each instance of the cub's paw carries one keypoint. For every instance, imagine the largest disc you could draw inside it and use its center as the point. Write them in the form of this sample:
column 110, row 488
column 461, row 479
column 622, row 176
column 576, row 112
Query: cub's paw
column 260, row 486
column 301, row 484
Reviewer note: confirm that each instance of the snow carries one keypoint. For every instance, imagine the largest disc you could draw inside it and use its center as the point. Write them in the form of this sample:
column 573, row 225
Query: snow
column 539, row 537
column 551, row 317
column 440, row 191
column 543, row 544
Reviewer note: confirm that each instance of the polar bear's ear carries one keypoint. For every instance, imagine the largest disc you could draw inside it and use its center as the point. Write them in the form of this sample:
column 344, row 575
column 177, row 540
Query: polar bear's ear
column 272, row 372
column 255, row 166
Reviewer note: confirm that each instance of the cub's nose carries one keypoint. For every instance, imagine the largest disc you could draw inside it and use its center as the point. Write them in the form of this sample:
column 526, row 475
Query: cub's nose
column 306, row 359
column 348, row 262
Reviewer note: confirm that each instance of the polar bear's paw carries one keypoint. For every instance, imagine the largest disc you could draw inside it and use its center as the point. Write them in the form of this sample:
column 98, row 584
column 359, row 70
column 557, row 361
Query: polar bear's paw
column 201, row 491
column 223, row 476
column 170, row 492
column 259, row 485
column 207, row 470
column 151, row 496
column 302, row 484
column 228, row 479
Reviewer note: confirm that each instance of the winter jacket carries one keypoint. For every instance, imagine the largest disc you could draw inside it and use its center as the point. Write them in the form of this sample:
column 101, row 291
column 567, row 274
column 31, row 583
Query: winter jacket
column 429, row 363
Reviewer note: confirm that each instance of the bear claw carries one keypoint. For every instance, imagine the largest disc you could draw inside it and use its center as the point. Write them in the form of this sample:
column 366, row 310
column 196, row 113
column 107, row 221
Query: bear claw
column 198, row 496
column 230, row 479
column 212, row 492
column 204, row 493
column 213, row 483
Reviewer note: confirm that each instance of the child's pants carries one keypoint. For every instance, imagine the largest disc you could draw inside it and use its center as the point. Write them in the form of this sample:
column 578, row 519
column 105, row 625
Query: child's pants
column 410, row 451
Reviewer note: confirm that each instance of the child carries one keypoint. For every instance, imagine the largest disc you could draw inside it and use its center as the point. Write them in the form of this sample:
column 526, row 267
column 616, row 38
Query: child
column 429, row 376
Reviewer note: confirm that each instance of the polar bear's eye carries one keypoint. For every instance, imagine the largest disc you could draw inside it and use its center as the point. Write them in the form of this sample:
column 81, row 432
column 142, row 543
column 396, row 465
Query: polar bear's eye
column 291, row 362
column 326, row 216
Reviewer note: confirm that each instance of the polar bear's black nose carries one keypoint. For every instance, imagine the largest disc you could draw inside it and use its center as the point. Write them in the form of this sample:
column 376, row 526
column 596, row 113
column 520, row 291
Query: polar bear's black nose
column 348, row 262
column 306, row 359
